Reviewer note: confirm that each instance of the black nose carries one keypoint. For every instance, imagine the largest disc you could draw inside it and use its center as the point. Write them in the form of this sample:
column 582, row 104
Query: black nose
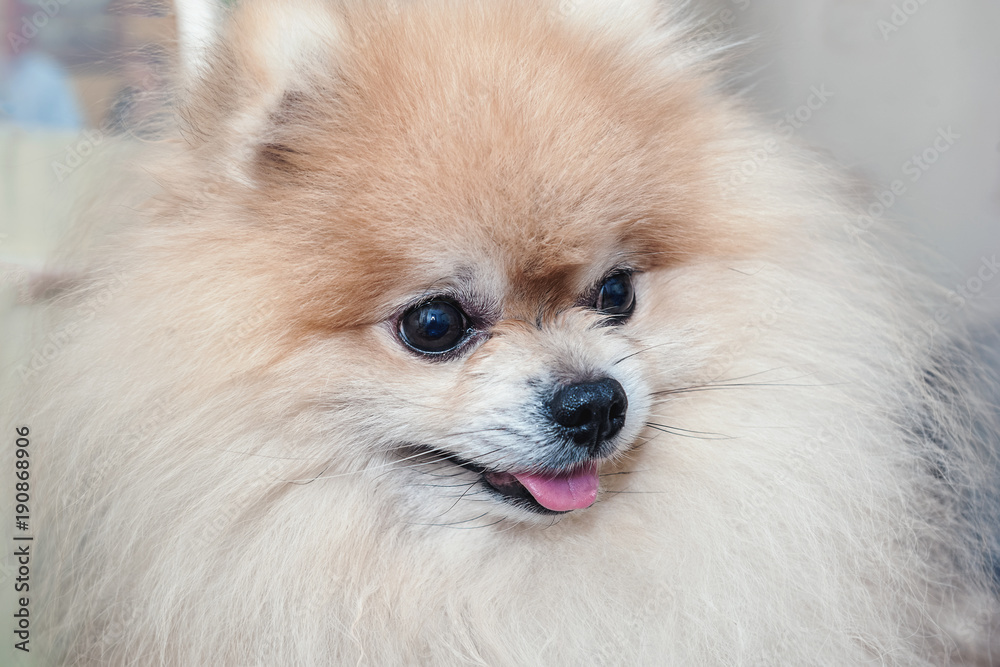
column 590, row 412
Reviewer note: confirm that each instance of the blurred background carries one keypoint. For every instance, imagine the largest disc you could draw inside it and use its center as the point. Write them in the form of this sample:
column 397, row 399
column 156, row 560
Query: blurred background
column 883, row 86
column 73, row 74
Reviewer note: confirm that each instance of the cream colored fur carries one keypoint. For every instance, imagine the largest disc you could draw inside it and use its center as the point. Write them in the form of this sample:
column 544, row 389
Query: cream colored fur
column 217, row 439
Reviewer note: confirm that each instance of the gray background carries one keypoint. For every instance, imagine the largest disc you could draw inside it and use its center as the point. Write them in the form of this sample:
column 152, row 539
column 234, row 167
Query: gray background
column 898, row 72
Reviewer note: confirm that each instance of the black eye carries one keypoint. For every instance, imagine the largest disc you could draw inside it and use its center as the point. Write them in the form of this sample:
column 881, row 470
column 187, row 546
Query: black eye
column 616, row 296
column 434, row 327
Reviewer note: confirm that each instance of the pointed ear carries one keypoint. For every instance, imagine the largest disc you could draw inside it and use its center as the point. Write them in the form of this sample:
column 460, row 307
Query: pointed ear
column 611, row 14
column 279, row 42
column 266, row 53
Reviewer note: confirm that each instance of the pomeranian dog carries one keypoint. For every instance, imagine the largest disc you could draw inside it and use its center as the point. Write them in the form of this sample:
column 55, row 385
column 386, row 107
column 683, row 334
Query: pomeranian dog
column 452, row 332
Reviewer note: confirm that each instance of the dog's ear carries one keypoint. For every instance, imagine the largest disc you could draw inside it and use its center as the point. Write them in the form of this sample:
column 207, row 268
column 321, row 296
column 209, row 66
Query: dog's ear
column 268, row 55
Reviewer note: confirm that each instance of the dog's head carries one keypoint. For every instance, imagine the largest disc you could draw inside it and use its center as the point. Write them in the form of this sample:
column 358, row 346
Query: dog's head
column 463, row 217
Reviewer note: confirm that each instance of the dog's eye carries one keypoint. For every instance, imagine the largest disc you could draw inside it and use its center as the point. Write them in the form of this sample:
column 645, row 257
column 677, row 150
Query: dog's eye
column 433, row 327
column 616, row 296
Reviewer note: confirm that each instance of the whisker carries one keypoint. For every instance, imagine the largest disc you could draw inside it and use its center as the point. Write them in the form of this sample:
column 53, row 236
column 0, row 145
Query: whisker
column 413, row 466
column 645, row 349
column 686, row 430
column 301, row 483
column 454, row 523
column 387, row 464
column 751, row 375
column 502, row 429
column 460, row 471
column 714, row 387
column 459, row 499
column 469, row 497
column 265, row 456
column 615, row 493
column 668, row 429
column 476, row 527
column 443, row 486
column 623, row 472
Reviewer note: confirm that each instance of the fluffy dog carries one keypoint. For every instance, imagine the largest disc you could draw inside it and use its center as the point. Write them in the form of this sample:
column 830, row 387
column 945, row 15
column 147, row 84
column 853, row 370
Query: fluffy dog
column 452, row 332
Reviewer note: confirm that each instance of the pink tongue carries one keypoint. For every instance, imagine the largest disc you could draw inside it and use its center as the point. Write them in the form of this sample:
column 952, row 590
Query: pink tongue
column 560, row 493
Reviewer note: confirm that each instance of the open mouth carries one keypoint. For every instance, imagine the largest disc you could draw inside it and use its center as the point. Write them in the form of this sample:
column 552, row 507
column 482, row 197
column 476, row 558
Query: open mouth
column 552, row 491
column 547, row 492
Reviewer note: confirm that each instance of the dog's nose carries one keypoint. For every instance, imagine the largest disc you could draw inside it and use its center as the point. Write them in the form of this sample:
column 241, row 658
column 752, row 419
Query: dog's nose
column 590, row 412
